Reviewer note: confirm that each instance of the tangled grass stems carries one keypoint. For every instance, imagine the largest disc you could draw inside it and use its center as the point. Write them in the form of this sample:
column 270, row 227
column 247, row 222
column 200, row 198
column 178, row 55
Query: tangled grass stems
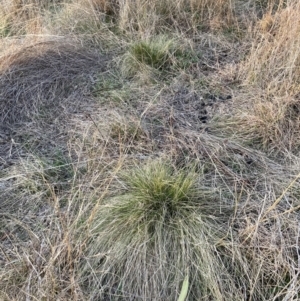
column 81, row 229
column 144, row 241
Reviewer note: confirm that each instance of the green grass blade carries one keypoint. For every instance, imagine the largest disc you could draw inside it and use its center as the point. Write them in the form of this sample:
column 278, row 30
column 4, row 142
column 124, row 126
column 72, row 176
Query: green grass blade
column 184, row 289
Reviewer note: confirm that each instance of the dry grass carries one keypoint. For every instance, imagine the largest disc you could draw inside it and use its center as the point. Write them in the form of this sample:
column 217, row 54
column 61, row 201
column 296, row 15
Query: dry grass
column 273, row 62
column 270, row 124
column 269, row 118
column 66, row 76
column 147, row 17
column 149, row 150
column 23, row 17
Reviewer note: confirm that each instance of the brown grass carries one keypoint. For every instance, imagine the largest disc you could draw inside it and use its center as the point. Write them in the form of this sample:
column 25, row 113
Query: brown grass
column 269, row 124
column 148, row 17
column 22, row 17
column 269, row 119
column 273, row 62
column 119, row 185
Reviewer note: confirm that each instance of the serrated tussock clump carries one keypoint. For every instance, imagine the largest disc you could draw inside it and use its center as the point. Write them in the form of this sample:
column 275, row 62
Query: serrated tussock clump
column 165, row 225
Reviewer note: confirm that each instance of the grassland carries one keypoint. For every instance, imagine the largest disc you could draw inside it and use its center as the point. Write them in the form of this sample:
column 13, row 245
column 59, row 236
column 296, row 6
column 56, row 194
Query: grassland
column 149, row 150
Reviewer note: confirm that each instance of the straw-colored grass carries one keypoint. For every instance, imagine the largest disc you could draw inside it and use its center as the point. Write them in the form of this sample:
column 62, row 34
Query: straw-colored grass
column 149, row 150
column 273, row 63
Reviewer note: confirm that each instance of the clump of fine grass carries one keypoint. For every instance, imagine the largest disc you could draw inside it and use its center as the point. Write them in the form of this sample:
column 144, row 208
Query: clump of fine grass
column 164, row 226
column 159, row 54
column 270, row 124
column 148, row 56
column 80, row 19
column 154, row 54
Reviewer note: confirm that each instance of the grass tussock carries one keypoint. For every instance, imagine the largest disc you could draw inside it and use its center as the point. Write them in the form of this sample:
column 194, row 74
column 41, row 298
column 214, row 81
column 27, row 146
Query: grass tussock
column 159, row 56
column 271, row 125
column 147, row 57
column 164, row 218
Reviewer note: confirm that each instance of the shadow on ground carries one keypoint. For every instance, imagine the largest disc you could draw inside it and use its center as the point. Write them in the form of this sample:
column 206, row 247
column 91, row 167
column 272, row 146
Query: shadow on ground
column 41, row 87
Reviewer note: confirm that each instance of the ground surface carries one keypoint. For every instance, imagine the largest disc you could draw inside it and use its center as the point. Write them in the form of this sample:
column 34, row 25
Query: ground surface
column 149, row 156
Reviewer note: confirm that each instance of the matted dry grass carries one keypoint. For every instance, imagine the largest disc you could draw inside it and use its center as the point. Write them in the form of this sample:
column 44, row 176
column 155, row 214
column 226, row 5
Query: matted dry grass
column 43, row 84
column 120, row 185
